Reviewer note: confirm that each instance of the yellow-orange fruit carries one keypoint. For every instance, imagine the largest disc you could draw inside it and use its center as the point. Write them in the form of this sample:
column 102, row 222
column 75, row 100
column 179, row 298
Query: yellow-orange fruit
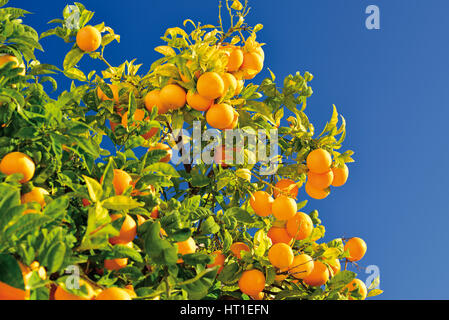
column 121, row 181
column 279, row 235
column 162, row 146
column 197, row 102
column 128, row 230
column 62, row 294
column 358, row 285
column 288, row 187
column 88, row 39
column 284, row 208
column 320, row 181
column 252, row 282
column 282, row 274
column 115, row 94
column 239, row 88
column 17, row 162
column 35, row 195
column 319, row 161
column 115, row 264
column 234, row 122
column 237, row 247
column 281, row 255
column 5, row 58
column 173, row 97
column 300, row 226
column 318, row 194
column 340, row 176
column 235, row 59
column 186, row 247
column 262, row 203
column 335, row 267
column 252, row 64
column 113, row 294
column 220, row 116
column 153, row 99
column 357, row 249
column 210, row 85
column 302, row 266
column 319, row 275
column 230, row 83
column 219, row 260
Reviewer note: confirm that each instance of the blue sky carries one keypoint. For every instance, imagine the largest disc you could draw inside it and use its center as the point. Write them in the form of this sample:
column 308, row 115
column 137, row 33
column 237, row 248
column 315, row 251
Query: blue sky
column 391, row 86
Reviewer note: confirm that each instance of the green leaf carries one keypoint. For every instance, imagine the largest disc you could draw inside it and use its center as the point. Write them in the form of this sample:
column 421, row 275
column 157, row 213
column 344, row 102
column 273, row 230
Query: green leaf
column 209, row 226
column 10, row 272
column 159, row 250
column 240, row 215
column 119, row 203
column 94, row 189
column 163, row 169
column 374, row 293
column 72, row 58
column 55, row 257
column 198, row 287
column 341, row 279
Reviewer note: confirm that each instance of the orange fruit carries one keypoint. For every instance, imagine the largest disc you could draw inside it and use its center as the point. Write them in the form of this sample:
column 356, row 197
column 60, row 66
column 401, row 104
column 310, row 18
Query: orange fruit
column 186, row 247
column 35, row 195
column 336, row 267
column 319, row 275
column 161, row 146
column 239, row 88
column 131, row 292
column 155, row 213
column 5, row 58
column 300, row 226
column 88, row 39
column 318, row 194
column 360, row 288
column 230, row 83
column 219, row 260
column 302, row 266
column 121, row 181
column 281, row 255
column 320, row 181
column 220, row 116
column 196, row 74
column 340, row 176
column 140, row 220
column 258, row 297
column 284, row 208
column 152, row 99
column 279, row 235
column 62, row 294
column 139, row 115
column 173, row 96
column 234, row 122
column 252, row 282
column 17, row 162
column 282, row 274
column 115, row 93
column 288, row 187
column 113, row 294
column 252, row 64
column 319, row 161
column 235, row 59
column 237, row 247
column 210, row 85
column 357, row 249
column 197, row 102
column 262, row 203
column 260, row 52
column 115, row 264
column 128, row 230
column 8, row 292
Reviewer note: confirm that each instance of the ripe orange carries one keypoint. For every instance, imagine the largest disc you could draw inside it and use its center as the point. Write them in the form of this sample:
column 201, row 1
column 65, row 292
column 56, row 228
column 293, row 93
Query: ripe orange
column 262, row 203
column 115, row 264
column 237, row 247
column 279, row 235
column 152, row 99
column 218, row 261
column 336, row 267
column 173, row 97
column 186, row 247
column 234, row 122
column 357, row 249
column 320, row 181
column 282, row 274
column 220, row 116
column 197, row 102
column 358, row 285
column 252, row 64
column 121, row 181
column 302, row 266
column 340, row 176
column 300, row 226
column 88, row 39
column 8, row 292
column 131, row 292
column 230, row 83
column 318, row 194
column 281, row 255
column 113, row 294
column 35, row 195
column 252, row 282
column 128, row 230
column 139, row 115
column 140, row 220
column 17, row 162
column 161, row 146
column 284, row 208
column 62, row 294
column 239, row 88
column 5, row 58
column 210, row 85
column 319, row 161
column 155, row 213
column 260, row 52
column 258, row 297
column 319, row 275
column 115, row 93
column 235, row 59
column 288, row 187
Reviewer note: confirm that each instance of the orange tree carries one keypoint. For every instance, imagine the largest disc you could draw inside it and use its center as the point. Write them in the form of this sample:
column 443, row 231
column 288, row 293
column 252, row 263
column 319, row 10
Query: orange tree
column 141, row 227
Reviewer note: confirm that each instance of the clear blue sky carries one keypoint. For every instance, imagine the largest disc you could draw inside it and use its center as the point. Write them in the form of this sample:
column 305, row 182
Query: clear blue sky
column 391, row 86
